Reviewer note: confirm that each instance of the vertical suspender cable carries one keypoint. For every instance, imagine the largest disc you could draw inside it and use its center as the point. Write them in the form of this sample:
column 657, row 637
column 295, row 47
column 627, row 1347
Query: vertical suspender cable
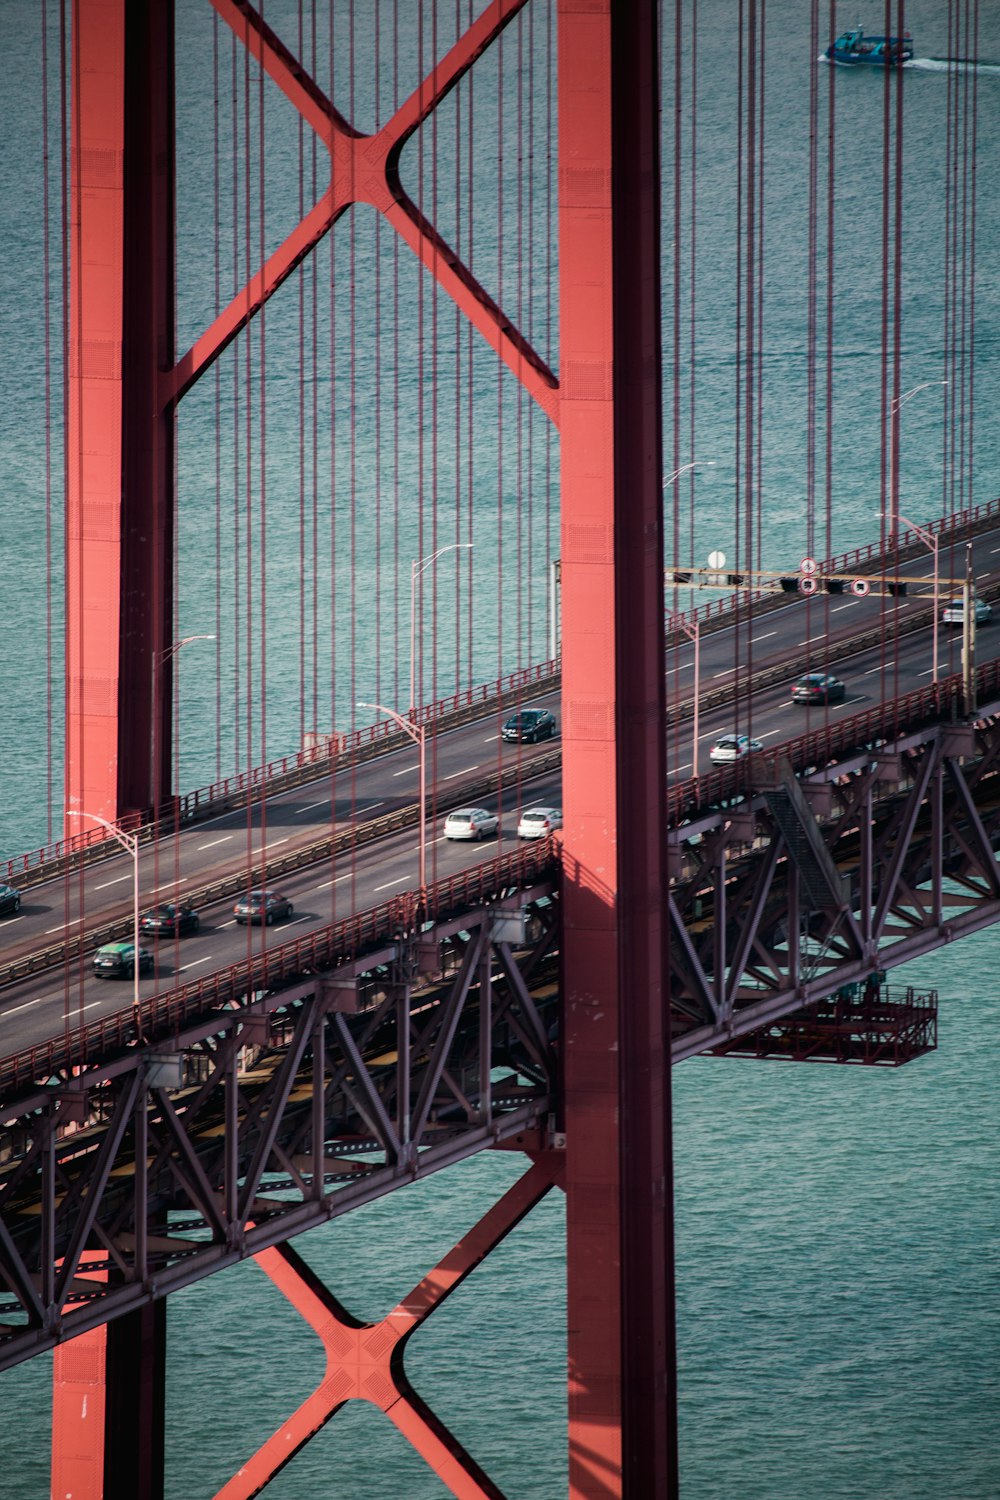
column 217, row 378
column 47, row 316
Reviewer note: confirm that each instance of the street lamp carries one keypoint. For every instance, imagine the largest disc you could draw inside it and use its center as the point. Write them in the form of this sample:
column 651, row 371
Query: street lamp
column 696, row 463
column 129, row 842
column 159, row 659
column 895, row 406
column 417, row 566
column 932, row 543
column 418, row 734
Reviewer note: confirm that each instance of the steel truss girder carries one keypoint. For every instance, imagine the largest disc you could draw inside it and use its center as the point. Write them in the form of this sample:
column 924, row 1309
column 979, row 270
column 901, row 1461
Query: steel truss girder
column 353, row 1083
column 912, row 828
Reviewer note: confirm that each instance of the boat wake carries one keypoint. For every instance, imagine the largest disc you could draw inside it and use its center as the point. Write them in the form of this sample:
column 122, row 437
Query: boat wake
column 952, row 65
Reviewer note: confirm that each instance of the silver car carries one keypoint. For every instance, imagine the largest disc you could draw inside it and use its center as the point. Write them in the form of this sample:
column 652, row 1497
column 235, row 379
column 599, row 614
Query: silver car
column 954, row 612
column 536, row 822
column 470, row 823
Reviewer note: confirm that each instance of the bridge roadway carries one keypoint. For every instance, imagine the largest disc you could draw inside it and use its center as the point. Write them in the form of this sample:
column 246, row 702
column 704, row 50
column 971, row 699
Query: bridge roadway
column 40, row 1006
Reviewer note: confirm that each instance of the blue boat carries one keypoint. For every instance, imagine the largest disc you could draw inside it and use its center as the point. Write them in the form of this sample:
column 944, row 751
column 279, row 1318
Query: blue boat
column 853, row 49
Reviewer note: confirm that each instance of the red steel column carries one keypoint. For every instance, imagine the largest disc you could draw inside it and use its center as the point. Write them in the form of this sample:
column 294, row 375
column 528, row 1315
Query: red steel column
column 119, row 441
column 622, row 1402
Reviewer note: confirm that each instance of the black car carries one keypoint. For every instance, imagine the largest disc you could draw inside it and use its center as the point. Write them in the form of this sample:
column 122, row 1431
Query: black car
column 262, row 906
column 10, row 900
column 529, row 725
column 818, row 687
column 117, row 961
column 170, row 920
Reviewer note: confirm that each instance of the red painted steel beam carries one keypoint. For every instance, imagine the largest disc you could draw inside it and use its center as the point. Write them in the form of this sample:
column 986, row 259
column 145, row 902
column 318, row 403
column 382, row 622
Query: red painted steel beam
column 78, row 1412
column 364, row 1361
column 615, row 1002
column 119, row 442
column 365, row 169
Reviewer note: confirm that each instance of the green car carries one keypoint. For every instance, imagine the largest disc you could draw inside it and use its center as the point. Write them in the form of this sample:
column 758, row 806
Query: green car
column 117, row 961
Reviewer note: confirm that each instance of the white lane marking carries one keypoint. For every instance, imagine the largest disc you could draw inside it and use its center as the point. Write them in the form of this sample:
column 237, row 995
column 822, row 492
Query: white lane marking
column 994, row 549
column 195, row 962
column 390, row 883
column 838, row 607
column 872, row 670
column 228, row 924
column 405, row 771
column 312, row 807
column 927, row 673
column 370, row 805
column 726, row 673
column 41, row 1001
column 768, row 733
column 846, row 703
column 117, row 881
column 491, row 739
column 62, row 925
column 273, row 843
column 810, row 638
column 453, row 774
column 327, row 883
column 212, row 843
column 685, row 767
column 765, row 637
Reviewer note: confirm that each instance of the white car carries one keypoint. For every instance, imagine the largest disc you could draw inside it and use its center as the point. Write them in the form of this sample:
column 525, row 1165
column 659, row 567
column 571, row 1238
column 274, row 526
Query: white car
column 536, row 822
column 954, row 612
column 730, row 747
column 470, row 823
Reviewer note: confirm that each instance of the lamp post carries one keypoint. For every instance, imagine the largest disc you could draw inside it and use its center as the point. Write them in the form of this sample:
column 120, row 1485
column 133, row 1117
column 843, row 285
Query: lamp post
column 419, row 565
column 418, row 734
column 129, row 842
column 159, row 659
column 692, row 631
column 696, row 463
column 895, row 406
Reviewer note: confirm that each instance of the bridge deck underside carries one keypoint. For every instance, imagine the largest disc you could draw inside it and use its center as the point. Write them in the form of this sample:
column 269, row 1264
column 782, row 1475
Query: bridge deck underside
column 265, row 1120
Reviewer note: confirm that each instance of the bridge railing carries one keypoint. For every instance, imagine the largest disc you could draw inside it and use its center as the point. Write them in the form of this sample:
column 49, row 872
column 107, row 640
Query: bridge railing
column 939, row 702
column 162, row 1015
column 283, row 773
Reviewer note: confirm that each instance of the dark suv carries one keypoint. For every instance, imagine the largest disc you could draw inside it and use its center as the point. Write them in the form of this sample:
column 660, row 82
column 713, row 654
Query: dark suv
column 529, row 725
column 170, row 920
column 262, row 906
column 117, row 961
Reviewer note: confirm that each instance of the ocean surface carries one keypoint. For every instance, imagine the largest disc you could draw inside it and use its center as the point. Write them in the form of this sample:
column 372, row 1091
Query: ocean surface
column 838, row 1230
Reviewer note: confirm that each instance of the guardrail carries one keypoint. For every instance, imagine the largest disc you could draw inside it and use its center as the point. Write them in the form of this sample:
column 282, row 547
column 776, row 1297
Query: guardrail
column 262, row 874
column 352, row 936
column 161, row 1016
column 308, row 765
column 93, row 845
column 889, row 721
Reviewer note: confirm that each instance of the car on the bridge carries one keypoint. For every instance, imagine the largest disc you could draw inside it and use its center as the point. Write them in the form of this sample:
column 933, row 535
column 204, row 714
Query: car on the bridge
column 818, row 687
column 10, row 900
column 170, row 919
column 117, row 961
column 529, row 726
column 954, row 612
column 536, row 822
column 470, row 823
column 262, row 906
column 730, row 747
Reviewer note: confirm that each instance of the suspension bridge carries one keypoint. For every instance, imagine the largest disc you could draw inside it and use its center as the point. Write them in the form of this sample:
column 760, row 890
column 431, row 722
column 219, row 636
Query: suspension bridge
column 470, row 376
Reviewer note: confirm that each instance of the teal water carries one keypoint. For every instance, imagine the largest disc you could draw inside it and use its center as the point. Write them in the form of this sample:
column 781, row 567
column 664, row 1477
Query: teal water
column 839, row 1276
